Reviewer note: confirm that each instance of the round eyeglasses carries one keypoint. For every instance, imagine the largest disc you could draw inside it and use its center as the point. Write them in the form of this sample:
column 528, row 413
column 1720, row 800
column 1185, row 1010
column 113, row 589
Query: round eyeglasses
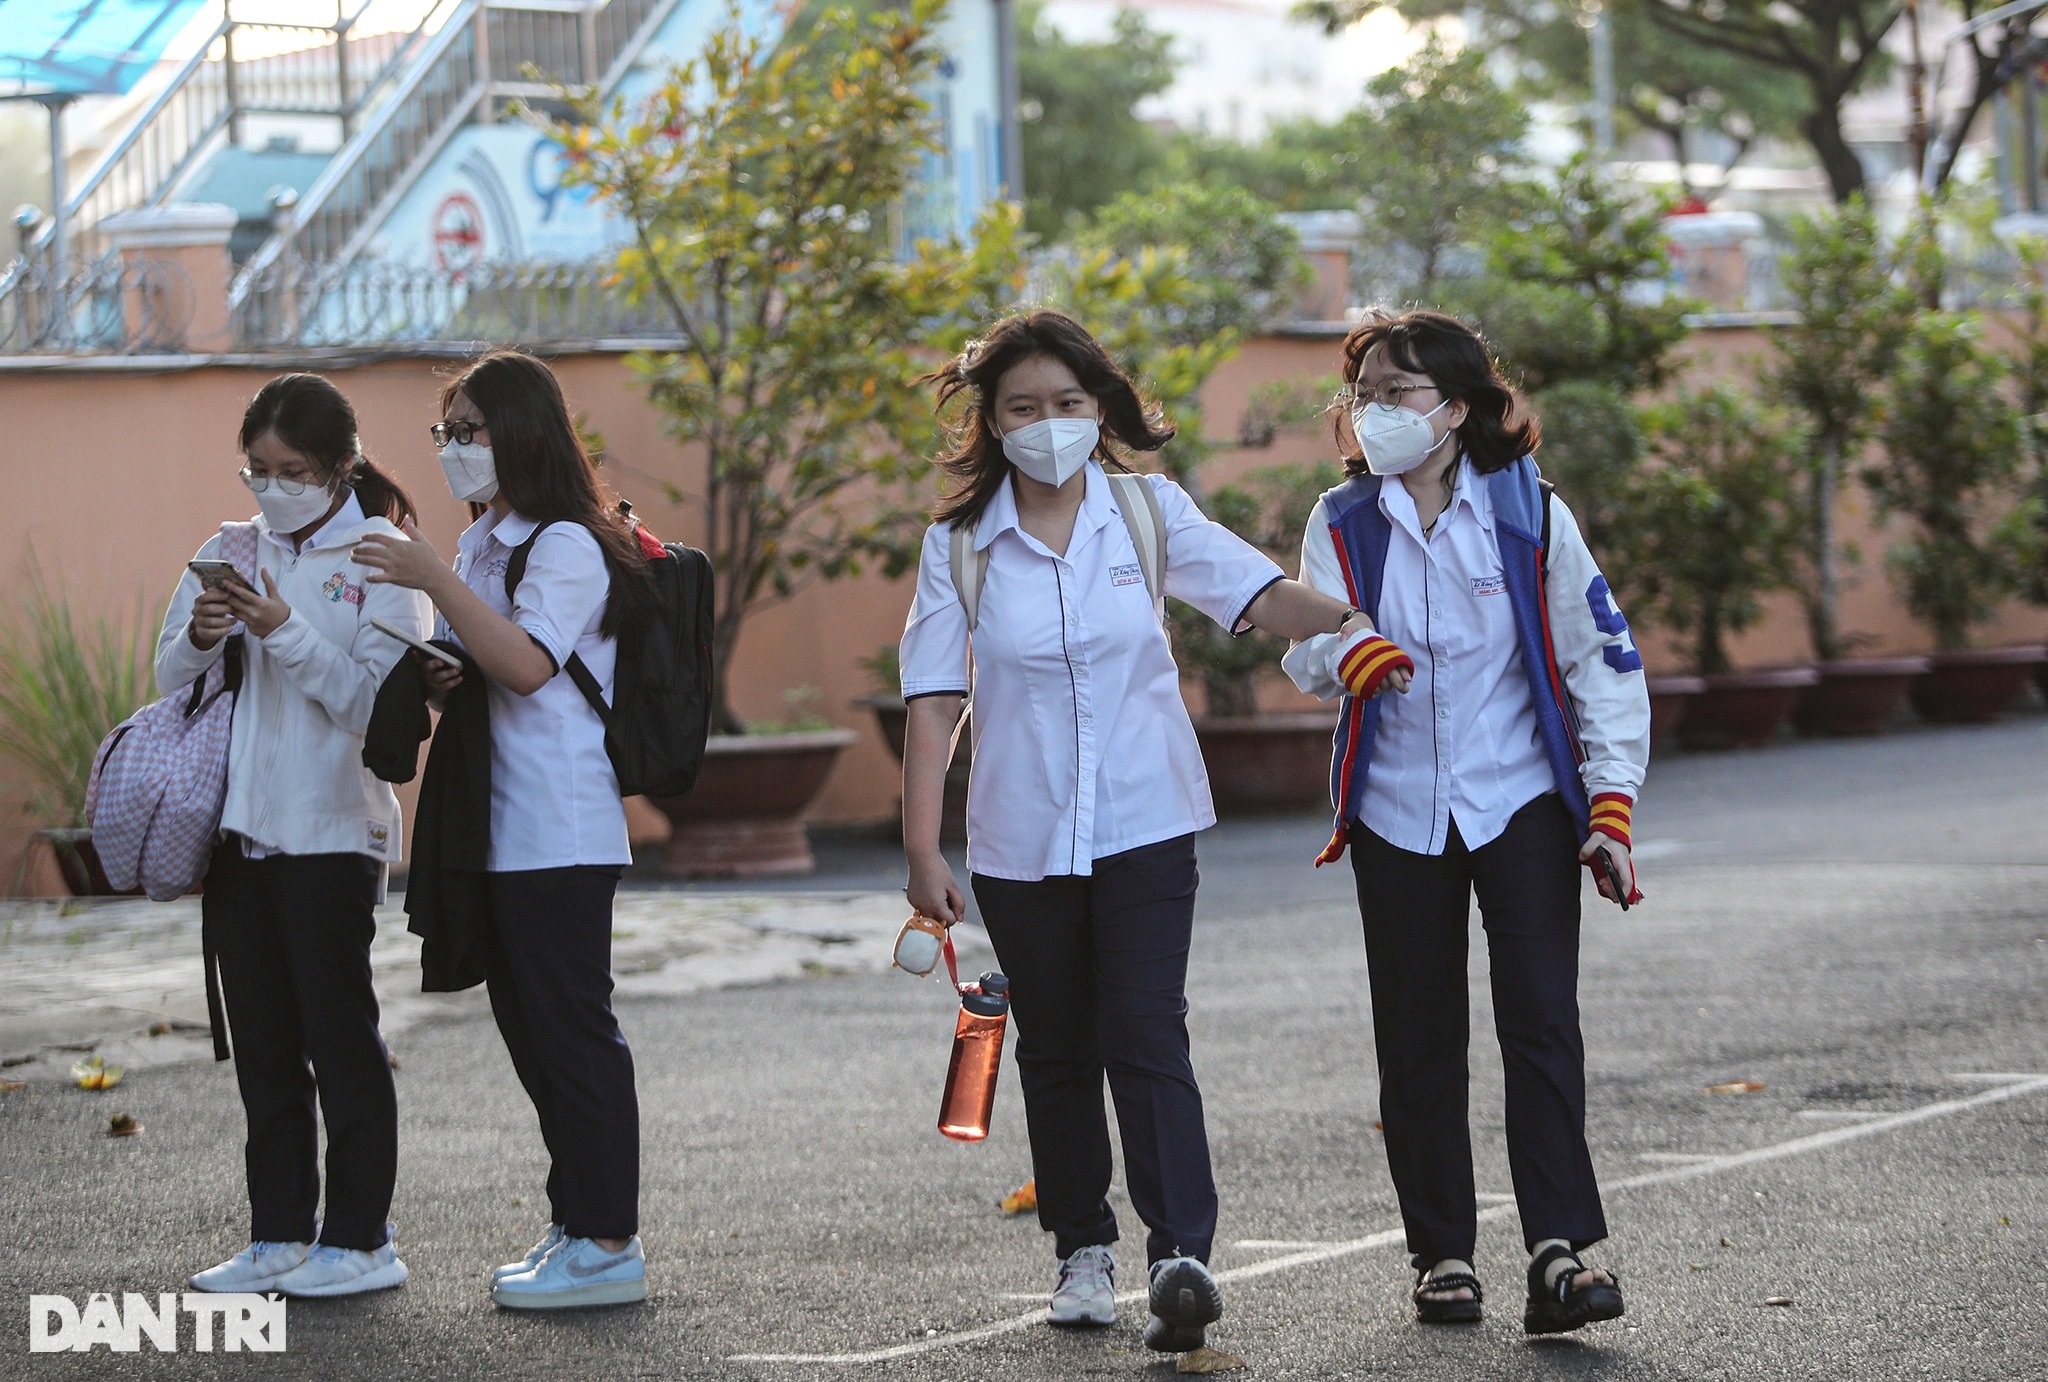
column 463, row 432
column 1389, row 392
column 286, row 484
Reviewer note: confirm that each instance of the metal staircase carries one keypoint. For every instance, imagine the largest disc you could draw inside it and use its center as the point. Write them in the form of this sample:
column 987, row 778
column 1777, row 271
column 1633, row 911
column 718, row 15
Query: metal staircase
column 486, row 52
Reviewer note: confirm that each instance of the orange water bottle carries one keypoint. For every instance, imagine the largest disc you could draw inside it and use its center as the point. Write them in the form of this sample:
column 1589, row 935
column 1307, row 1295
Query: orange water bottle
column 977, row 1057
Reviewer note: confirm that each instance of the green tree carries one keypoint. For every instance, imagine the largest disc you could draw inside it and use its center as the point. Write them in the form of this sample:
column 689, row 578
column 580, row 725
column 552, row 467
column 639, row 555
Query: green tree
column 1716, row 531
column 758, row 187
column 1083, row 141
column 1953, row 438
column 1832, row 365
column 1297, row 165
column 1437, row 152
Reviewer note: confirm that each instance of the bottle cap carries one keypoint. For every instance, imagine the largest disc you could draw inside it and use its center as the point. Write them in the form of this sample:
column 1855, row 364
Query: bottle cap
column 994, row 983
column 989, row 998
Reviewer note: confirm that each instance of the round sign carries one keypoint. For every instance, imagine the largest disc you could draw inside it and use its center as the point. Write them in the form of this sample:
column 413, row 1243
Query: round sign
column 458, row 234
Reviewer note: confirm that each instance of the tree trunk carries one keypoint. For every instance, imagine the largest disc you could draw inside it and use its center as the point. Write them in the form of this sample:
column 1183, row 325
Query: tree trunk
column 1709, row 655
column 1823, row 129
column 1822, row 600
column 1231, row 695
column 725, row 636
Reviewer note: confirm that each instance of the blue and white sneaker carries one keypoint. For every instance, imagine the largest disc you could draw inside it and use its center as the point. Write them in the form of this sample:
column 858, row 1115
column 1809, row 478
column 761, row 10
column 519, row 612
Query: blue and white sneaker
column 533, row 1256
column 1085, row 1292
column 577, row 1272
column 333, row 1271
column 254, row 1268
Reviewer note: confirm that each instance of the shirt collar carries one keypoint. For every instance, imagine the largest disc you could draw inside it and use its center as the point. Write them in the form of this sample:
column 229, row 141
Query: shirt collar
column 1469, row 491
column 1001, row 513
column 511, row 529
column 329, row 534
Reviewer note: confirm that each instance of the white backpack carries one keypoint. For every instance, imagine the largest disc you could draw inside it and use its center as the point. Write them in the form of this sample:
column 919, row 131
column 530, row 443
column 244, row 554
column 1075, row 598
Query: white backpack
column 160, row 779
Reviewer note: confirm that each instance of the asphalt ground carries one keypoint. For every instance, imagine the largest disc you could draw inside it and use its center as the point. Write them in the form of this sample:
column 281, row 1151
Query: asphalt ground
column 1860, row 927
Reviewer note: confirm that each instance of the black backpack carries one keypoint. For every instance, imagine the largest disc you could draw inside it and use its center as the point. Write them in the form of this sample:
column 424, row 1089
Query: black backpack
column 655, row 729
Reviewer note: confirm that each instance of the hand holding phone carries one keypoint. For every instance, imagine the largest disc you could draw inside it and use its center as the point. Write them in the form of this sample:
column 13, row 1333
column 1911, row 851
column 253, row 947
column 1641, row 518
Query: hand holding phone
column 1605, row 863
column 217, row 575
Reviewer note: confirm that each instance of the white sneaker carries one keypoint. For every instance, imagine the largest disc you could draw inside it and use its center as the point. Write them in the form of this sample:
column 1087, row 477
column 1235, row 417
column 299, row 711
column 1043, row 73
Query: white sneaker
column 1086, row 1290
column 254, row 1268
column 576, row 1272
column 332, row 1271
column 533, row 1255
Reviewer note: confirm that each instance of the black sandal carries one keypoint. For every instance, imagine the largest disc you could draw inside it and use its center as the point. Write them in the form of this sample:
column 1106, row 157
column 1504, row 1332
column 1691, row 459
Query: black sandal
column 1429, row 1309
column 1563, row 1307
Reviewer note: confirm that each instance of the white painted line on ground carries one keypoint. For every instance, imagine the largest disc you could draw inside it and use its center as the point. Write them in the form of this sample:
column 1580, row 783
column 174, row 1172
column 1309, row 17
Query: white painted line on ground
column 1272, row 1244
column 1675, row 1158
column 1838, row 1115
column 2018, row 1086
column 1492, row 1197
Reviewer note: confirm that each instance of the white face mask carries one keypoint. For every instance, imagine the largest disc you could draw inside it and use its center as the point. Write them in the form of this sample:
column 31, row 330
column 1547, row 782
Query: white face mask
column 287, row 513
column 1396, row 439
column 1052, row 449
column 471, row 470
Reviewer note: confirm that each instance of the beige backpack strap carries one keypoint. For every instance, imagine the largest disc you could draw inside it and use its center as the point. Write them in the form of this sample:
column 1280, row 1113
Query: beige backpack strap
column 1140, row 505
column 970, row 572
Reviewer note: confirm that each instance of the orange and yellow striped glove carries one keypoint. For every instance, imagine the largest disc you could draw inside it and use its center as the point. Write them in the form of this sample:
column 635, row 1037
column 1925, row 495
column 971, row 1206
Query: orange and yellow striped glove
column 1368, row 661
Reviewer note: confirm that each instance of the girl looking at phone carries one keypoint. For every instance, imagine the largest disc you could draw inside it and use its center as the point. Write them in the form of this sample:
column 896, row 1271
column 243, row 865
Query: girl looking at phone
column 557, row 825
column 306, row 835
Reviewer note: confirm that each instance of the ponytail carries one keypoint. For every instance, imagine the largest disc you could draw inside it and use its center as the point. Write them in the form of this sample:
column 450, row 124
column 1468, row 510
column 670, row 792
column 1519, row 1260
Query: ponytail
column 379, row 494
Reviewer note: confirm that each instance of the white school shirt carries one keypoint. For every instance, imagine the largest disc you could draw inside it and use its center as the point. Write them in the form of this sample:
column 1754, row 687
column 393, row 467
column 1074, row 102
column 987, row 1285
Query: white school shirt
column 554, row 794
column 1082, row 744
column 1463, row 743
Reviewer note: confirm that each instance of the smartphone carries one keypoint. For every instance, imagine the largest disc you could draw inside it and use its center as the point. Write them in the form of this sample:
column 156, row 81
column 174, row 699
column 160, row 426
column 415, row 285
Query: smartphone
column 411, row 641
column 217, row 575
column 1613, row 877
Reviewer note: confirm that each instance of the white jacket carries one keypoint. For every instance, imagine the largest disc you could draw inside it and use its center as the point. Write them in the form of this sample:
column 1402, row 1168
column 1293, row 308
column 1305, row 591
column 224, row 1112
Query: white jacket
column 296, row 780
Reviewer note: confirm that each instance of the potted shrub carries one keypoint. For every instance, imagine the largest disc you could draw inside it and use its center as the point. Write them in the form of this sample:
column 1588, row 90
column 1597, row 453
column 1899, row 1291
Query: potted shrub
column 1716, row 534
column 1952, row 438
column 63, row 688
column 1856, row 301
column 2025, row 530
column 799, row 328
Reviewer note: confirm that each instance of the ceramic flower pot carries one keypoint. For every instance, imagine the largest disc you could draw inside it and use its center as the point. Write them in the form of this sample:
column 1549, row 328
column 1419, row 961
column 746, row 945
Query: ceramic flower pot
column 1743, row 710
column 745, row 817
column 1857, row 695
column 1974, row 684
column 1268, row 762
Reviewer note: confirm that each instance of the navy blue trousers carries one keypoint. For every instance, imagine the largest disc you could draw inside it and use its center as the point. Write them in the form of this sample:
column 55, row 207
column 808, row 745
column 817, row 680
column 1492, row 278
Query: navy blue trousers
column 1098, row 971
column 293, row 934
column 548, row 965
column 1415, row 908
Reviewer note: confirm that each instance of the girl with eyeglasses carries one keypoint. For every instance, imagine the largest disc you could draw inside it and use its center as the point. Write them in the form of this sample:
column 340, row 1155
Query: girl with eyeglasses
column 545, row 581
column 1510, row 757
column 307, row 835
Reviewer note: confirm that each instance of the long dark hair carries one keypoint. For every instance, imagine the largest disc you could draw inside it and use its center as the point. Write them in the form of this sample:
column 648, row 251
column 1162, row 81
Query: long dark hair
column 314, row 418
column 975, row 460
column 1456, row 360
column 545, row 473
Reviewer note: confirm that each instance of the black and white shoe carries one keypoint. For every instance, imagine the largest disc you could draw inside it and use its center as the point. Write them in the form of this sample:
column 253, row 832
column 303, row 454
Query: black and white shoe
column 1185, row 1301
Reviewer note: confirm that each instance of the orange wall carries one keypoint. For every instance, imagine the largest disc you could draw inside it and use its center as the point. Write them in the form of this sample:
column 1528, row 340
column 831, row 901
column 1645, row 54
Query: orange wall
column 114, row 476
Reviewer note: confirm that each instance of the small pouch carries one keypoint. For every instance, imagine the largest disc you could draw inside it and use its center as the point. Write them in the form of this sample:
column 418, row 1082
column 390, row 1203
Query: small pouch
column 920, row 944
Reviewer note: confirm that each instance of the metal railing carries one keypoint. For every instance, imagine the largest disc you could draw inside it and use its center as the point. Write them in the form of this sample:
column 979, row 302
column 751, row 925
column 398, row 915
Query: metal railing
column 294, row 305
column 107, row 307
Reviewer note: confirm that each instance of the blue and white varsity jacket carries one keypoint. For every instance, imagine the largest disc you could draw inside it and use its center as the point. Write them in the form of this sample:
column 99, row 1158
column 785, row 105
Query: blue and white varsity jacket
column 1585, row 676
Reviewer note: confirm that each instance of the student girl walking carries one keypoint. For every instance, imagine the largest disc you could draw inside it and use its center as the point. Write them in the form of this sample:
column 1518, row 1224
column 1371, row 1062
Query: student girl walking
column 1512, row 757
column 557, row 825
column 306, row 836
column 1088, row 785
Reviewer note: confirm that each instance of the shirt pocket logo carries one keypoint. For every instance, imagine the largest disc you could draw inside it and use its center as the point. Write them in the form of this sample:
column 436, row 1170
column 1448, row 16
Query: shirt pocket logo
column 339, row 588
column 1489, row 585
column 1133, row 574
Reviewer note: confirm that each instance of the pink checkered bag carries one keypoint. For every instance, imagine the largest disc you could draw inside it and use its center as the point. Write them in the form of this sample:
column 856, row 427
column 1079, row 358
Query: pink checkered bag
column 160, row 779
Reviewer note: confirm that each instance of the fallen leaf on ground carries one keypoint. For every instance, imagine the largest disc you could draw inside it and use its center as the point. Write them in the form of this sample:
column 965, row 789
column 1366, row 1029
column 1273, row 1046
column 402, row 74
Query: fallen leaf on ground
column 1023, row 1199
column 1727, row 1242
column 1209, row 1360
column 122, row 1125
column 1700, row 1266
column 391, row 1056
column 1736, row 1087
column 9, row 1086
column 159, row 1029
column 1378, row 1126
column 1777, row 1300
column 96, row 1074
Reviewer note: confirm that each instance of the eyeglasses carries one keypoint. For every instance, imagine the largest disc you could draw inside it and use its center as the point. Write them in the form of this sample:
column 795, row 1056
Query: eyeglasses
column 1389, row 392
column 286, row 484
column 463, row 432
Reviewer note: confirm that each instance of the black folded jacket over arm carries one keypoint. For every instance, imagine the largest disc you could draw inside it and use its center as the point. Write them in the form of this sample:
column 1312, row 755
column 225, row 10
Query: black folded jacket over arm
column 445, row 895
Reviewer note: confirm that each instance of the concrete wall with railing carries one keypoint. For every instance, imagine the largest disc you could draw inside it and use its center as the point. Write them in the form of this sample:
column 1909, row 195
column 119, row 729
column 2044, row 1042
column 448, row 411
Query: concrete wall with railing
column 116, row 468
